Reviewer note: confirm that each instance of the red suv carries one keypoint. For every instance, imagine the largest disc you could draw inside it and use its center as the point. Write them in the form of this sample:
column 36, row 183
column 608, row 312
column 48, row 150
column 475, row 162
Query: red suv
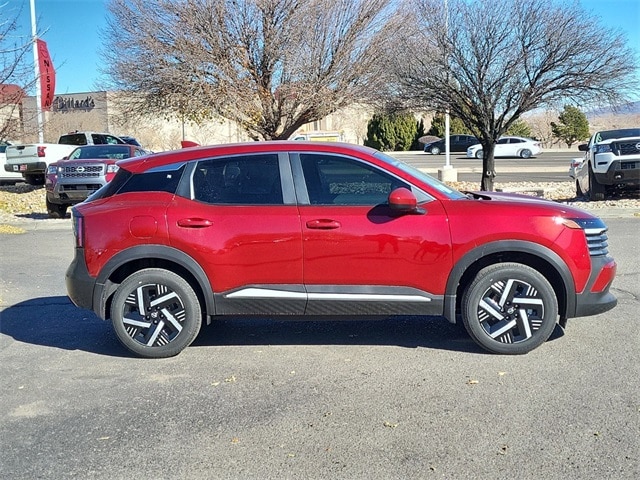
column 177, row 239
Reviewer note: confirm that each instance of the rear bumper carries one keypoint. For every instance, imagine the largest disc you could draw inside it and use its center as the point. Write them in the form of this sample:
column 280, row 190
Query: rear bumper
column 80, row 284
column 30, row 167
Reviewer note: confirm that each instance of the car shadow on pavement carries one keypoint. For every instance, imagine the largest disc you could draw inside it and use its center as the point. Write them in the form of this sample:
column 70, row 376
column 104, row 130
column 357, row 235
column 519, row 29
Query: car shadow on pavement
column 56, row 322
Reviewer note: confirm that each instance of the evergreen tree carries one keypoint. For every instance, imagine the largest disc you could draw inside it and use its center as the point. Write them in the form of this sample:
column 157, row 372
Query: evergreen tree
column 455, row 126
column 519, row 128
column 573, row 126
column 391, row 131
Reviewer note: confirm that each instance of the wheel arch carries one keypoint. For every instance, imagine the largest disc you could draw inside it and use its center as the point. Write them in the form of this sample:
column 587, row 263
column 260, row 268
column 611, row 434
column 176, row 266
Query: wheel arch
column 544, row 260
column 129, row 261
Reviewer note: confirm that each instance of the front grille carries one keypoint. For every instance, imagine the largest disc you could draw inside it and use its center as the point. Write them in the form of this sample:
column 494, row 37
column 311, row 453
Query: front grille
column 597, row 241
column 628, row 148
column 82, row 171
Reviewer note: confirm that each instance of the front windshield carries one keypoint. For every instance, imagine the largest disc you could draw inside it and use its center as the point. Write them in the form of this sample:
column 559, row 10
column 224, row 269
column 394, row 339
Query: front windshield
column 622, row 133
column 451, row 193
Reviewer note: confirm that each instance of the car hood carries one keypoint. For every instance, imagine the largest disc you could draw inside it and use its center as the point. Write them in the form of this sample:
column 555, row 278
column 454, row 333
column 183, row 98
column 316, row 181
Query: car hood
column 517, row 200
column 84, row 161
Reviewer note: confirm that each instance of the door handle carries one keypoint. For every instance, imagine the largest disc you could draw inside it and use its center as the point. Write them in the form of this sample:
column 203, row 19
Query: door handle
column 323, row 224
column 194, row 223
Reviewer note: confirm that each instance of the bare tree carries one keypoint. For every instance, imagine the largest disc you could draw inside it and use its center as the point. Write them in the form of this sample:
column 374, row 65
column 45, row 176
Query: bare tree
column 490, row 61
column 16, row 73
column 269, row 65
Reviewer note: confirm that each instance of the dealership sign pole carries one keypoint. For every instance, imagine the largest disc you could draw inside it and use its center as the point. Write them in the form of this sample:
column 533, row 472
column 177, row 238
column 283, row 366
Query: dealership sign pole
column 37, row 69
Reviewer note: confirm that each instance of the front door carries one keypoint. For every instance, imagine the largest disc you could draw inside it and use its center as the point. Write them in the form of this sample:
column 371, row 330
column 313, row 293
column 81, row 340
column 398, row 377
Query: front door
column 358, row 253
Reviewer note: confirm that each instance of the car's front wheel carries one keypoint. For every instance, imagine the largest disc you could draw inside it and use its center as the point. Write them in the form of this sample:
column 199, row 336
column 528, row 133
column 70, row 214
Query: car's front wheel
column 55, row 210
column 525, row 153
column 596, row 189
column 509, row 308
column 479, row 154
column 435, row 150
column 156, row 313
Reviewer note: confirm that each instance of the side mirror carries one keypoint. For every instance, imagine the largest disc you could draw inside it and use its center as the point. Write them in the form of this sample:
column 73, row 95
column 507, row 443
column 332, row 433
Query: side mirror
column 404, row 201
column 583, row 147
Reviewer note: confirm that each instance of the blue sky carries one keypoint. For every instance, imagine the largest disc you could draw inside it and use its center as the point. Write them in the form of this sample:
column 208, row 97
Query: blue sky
column 72, row 32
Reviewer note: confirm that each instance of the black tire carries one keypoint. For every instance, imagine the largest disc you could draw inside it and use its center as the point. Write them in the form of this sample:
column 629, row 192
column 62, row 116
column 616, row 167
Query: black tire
column 435, row 150
column 37, row 179
column 596, row 189
column 162, row 329
column 479, row 154
column 56, row 210
column 526, row 153
column 509, row 308
column 579, row 192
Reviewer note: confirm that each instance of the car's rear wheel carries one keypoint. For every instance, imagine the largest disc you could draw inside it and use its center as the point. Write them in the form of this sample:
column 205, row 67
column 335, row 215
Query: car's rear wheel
column 525, row 153
column 596, row 189
column 479, row 154
column 509, row 308
column 55, row 210
column 156, row 313
column 435, row 150
column 579, row 192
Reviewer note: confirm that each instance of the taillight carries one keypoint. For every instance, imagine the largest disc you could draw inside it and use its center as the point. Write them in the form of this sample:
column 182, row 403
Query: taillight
column 41, row 150
column 77, row 222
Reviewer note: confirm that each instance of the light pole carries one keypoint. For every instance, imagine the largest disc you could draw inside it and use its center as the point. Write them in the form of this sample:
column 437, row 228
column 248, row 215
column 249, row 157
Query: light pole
column 447, row 173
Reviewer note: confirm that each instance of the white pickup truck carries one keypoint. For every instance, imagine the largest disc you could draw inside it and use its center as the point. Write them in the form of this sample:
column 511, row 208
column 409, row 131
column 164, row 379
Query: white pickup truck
column 611, row 162
column 32, row 160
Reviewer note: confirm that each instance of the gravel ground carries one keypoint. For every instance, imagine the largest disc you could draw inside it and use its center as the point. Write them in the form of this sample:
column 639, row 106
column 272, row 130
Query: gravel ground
column 21, row 202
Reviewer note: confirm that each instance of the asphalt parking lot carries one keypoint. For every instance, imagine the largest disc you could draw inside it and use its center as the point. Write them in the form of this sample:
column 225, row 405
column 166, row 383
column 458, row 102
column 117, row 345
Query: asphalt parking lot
column 261, row 399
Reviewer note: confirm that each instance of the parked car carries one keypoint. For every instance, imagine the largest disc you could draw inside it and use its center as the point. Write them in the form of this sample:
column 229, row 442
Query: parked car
column 457, row 143
column 32, row 160
column 611, row 162
column 7, row 177
column 509, row 147
column 87, row 168
column 289, row 229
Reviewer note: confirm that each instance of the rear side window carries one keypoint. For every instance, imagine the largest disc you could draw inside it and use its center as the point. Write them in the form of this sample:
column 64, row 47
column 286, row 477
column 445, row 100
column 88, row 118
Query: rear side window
column 102, row 139
column 239, row 180
column 73, row 139
column 165, row 180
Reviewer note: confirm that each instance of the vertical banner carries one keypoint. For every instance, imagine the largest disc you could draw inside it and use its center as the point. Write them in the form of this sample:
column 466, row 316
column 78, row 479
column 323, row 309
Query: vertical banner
column 47, row 76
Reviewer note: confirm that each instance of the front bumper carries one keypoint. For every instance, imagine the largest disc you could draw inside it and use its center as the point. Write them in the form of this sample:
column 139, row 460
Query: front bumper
column 622, row 173
column 596, row 297
column 70, row 193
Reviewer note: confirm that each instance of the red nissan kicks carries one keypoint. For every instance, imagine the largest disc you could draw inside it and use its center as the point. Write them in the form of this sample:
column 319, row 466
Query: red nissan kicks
column 180, row 238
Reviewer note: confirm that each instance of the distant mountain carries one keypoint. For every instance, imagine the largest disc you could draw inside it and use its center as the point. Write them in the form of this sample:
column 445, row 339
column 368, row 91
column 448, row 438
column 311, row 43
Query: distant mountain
column 632, row 108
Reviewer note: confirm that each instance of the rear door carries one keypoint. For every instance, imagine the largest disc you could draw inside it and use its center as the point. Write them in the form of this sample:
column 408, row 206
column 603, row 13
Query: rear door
column 242, row 225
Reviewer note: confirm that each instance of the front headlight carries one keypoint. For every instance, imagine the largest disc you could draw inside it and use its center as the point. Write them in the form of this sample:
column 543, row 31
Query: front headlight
column 603, row 148
column 52, row 169
column 113, row 168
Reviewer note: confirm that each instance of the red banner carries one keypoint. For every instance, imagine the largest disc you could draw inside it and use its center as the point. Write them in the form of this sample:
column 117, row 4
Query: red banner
column 47, row 76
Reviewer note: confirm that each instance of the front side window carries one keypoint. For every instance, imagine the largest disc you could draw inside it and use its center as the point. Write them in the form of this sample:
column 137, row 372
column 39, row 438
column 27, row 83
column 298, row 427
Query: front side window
column 334, row 180
column 239, row 180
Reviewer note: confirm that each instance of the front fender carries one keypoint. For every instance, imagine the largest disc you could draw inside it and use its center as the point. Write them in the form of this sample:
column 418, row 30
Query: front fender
column 507, row 250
